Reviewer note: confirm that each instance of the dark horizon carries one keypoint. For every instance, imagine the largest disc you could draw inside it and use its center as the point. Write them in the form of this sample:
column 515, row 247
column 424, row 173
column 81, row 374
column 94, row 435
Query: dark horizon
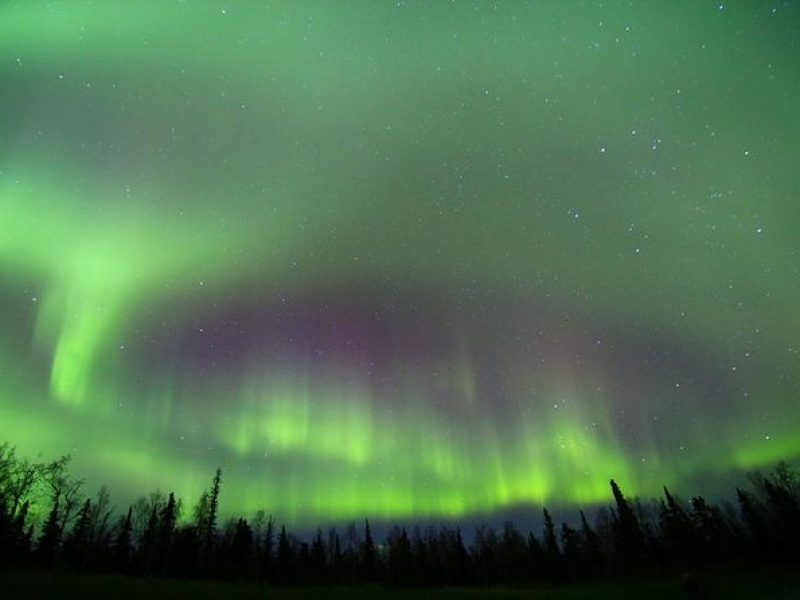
column 402, row 260
column 758, row 528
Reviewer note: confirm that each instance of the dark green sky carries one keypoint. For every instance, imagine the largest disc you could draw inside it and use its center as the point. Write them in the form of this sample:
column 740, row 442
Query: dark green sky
column 401, row 259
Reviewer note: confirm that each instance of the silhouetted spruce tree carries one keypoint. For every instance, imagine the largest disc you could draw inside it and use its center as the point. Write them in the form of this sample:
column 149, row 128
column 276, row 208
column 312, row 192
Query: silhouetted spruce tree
column 367, row 555
column 571, row 542
column 426, row 564
column 593, row 549
column 146, row 550
column 210, row 525
column 50, row 539
column 462, row 565
column 240, row 551
column 302, row 564
column 761, row 539
column 433, row 556
column 552, row 553
column 185, row 556
column 201, row 514
column 677, row 533
column 513, row 555
column 268, row 550
column 780, row 493
column 715, row 540
column 283, row 559
column 318, row 557
column 351, row 544
column 399, row 563
column 628, row 541
column 165, row 534
column 122, row 544
column 337, row 557
column 536, row 559
column 76, row 546
column 485, row 556
column 423, row 571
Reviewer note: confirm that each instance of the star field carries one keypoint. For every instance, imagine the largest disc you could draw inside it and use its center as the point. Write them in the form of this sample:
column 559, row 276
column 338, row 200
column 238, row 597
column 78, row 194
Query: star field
column 400, row 259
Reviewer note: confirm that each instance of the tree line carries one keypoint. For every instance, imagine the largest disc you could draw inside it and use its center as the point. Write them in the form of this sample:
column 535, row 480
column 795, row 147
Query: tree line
column 157, row 537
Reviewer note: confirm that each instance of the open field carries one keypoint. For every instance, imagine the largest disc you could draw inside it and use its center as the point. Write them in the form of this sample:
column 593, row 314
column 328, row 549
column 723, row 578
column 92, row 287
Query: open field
column 760, row 586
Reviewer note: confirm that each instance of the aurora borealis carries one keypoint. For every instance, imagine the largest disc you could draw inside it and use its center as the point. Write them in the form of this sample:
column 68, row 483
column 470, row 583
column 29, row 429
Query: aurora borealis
column 400, row 259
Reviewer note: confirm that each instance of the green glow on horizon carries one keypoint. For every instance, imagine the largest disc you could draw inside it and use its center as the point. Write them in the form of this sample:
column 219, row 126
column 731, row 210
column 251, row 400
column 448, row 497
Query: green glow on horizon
column 513, row 183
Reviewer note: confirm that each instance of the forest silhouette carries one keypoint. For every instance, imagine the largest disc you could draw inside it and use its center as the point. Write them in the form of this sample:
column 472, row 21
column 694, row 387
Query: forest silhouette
column 158, row 537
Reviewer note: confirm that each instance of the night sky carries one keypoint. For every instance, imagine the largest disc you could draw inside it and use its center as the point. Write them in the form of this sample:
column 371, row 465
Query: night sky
column 401, row 260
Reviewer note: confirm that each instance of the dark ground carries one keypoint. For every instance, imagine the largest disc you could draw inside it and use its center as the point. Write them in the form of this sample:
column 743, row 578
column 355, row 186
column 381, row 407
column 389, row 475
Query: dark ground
column 762, row 585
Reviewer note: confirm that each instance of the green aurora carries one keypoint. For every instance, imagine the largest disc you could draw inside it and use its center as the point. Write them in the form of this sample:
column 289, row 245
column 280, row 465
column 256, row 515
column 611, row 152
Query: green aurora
column 400, row 259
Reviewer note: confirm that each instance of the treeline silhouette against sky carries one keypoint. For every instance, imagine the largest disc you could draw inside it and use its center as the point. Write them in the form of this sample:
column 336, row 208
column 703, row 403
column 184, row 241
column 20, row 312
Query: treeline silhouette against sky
column 49, row 521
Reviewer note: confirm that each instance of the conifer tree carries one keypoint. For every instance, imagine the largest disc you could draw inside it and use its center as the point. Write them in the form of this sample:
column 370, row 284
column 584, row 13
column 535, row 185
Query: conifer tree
column 677, row 531
column 147, row 545
column 213, row 507
column 241, row 549
column 536, row 556
column 367, row 554
column 50, row 540
column 283, row 558
column 628, row 539
column 552, row 552
column 318, row 556
column 122, row 544
column 76, row 546
column 268, row 552
column 166, row 533
column 593, row 548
